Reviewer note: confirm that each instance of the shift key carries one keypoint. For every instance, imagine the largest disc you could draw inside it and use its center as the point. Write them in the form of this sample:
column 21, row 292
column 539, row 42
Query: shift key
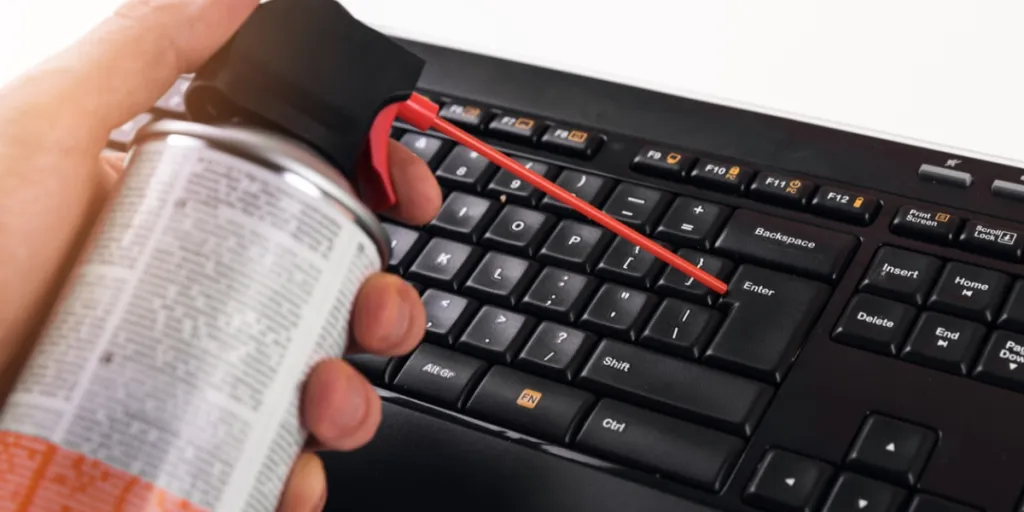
column 791, row 246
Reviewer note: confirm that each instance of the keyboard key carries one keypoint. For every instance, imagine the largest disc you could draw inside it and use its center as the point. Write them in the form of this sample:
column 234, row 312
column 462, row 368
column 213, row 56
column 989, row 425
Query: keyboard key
column 523, row 130
column 799, row 248
column 944, row 342
column 405, row 246
column 781, row 190
column 559, row 294
column 660, row 444
column 773, row 308
column 1002, row 363
column 123, row 136
column 468, row 117
column 927, row 225
column 529, row 404
column 518, row 230
column 501, row 279
column 891, row 450
column 677, row 284
column 172, row 103
column 663, row 163
column 618, row 311
column 926, row 503
column 447, row 315
column 571, row 141
column 556, row 351
column 588, row 187
column 575, row 245
column 901, row 275
column 429, row 149
column 646, row 378
column 990, row 240
column 1012, row 316
column 692, row 223
column 971, row 292
column 875, row 324
column 845, row 206
column 722, row 177
column 463, row 217
column 515, row 190
column 444, row 264
column 855, row 493
column 496, row 335
column 787, row 482
column 637, row 207
column 629, row 264
column 438, row 375
column 465, row 169
column 681, row 329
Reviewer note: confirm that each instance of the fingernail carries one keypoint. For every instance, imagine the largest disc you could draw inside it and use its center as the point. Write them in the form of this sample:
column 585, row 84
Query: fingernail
column 400, row 321
column 354, row 407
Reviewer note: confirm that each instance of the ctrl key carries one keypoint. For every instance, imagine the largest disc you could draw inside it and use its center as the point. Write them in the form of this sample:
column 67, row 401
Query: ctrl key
column 439, row 376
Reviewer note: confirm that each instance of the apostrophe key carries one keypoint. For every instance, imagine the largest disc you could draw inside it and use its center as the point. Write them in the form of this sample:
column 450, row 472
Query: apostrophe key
column 519, row 129
column 662, row 163
column 845, row 206
column 571, row 141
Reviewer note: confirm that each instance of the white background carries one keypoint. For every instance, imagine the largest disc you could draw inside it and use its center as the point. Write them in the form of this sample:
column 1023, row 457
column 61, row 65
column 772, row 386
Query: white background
column 946, row 74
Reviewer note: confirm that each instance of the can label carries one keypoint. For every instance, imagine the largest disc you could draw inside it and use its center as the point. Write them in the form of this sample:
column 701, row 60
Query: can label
column 169, row 377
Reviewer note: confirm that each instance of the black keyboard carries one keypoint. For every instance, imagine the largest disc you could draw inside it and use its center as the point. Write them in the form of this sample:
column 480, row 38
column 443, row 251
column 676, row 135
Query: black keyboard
column 869, row 355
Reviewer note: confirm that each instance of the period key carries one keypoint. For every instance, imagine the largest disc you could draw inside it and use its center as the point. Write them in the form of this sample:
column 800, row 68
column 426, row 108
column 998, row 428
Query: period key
column 662, row 163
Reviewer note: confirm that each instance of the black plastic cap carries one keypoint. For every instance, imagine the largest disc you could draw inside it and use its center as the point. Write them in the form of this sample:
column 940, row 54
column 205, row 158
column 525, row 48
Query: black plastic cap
column 309, row 70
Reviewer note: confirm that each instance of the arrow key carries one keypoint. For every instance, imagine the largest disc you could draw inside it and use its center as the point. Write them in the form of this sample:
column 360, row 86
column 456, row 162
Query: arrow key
column 787, row 482
column 892, row 450
column 855, row 493
column 1002, row 363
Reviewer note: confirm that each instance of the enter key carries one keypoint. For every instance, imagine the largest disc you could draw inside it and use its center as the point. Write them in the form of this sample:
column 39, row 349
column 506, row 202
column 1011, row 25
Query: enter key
column 769, row 316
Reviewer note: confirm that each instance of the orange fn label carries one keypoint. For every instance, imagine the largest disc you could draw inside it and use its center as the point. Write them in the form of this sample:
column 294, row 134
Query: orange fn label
column 39, row 476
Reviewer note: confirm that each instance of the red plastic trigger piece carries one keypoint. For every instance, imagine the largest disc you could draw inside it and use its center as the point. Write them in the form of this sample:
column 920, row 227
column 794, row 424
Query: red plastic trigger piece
column 374, row 174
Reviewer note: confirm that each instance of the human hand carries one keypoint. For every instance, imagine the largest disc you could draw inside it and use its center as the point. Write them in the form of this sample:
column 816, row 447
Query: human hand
column 54, row 122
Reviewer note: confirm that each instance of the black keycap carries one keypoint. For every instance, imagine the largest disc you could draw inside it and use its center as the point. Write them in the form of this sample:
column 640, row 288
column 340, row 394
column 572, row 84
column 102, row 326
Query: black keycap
column 123, row 136
column 1012, row 316
column 663, row 163
column 559, row 294
column 855, row 493
column 901, row 275
column 515, row 190
column 463, row 217
column 773, row 308
column 465, row 169
column 677, row 284
column 680, row 328
column 637, row 207
column 172, row 103
column 588, row 187
column 927, row 225
column 444, row 263
column 787, row 482
column 875, row 324
column 798, row 248
column 891, row 450
column 375, row 368
column 781, row 190
column 556, row 351
column 575, row 245
column 991, row 240
column 430, row 149
column 971, row 292
column 945, row 343
column 692, row 223
column 468, row 117
column 523, row 130
column 496, row 334
column 1002, row 363
column 845, row 206
column 447, row 315
column 659, row 444
column 618, row 311
column 721, row 176
column 439, row 375
column 405, row 246
column 501, row 279
column 928, row 503
column 570, row 141
column 531, row 405
column 649, row 379
column 629, row 264
column 518, row 230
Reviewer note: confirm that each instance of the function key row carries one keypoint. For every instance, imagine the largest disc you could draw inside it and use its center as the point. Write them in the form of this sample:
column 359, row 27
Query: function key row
column 780, row 190
column 942, row 228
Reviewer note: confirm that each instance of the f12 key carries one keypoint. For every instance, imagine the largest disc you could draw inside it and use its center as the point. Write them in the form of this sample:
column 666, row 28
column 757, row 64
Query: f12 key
column 845, row 206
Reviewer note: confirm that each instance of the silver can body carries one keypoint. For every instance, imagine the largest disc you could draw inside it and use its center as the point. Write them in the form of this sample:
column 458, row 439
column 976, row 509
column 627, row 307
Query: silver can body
column 169, row 375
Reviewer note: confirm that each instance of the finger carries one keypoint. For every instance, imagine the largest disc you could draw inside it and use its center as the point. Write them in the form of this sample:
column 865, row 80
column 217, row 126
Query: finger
column 419, row 196
column 388, row 317
column 339, row 406
column 111, row 167
column 306, row 489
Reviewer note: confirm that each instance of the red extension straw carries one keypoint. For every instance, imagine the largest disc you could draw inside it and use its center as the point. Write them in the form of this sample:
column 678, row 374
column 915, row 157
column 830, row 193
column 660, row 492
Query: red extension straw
column 422, row 114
